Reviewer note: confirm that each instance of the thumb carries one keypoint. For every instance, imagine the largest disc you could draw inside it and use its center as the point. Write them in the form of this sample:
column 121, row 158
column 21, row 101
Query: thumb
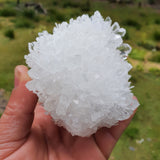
column 17, row 118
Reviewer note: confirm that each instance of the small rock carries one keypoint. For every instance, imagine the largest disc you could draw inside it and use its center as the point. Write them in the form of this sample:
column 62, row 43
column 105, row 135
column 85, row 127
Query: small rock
column 149, row 139
column 112, row 158
column 140, row 141
column 1, row 92
column 131, row 148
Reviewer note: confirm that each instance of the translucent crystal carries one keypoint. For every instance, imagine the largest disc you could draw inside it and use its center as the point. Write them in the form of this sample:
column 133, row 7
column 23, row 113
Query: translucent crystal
column 125, row 49
column 80, row 74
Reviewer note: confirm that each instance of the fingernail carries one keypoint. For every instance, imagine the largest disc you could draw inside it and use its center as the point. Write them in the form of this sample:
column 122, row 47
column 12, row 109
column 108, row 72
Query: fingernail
column 20, row 75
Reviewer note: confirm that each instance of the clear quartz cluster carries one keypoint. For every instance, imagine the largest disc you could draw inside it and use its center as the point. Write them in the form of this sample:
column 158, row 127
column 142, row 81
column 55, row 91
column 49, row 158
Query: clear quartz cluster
column 80, row 74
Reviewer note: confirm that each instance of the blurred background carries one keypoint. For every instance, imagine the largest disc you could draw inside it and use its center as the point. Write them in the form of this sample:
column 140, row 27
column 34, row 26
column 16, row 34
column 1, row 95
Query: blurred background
column 21, row 20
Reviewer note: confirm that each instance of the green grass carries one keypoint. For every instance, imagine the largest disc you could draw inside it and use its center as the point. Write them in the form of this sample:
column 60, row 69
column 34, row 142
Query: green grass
column 137, row 54
column 157, row 21
column 155, row 71
column 156, row 35
column 7, row 12
column 132, row 23
column 155, row 57
column 9, row 33
column 24, row 23
column 29, row 13
column 132, row 133
column 146, row 45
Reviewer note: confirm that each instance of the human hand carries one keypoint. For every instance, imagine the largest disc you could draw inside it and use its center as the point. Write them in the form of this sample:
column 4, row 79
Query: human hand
column 27, row 133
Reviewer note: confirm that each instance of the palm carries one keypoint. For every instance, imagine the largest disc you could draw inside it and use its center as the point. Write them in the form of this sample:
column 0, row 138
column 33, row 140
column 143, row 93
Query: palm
column 47, row 141
column 26, row 132
column 58, row 144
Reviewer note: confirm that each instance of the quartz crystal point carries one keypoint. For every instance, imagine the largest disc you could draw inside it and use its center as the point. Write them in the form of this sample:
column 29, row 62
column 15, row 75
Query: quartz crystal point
column 80, row 74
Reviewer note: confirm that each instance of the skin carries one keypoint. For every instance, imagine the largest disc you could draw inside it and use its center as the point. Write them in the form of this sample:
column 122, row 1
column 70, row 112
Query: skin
column 27, row 133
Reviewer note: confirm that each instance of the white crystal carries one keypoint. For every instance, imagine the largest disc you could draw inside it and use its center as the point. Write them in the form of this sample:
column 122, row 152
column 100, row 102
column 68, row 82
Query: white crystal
column 80, row 74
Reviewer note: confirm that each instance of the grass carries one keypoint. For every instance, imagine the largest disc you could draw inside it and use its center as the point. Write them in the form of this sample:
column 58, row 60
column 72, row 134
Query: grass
column 137, row 54
column 9, row 33
column 157, row 21
column 155, row 57
column 132, row 133
column 29, row 13
column 156, row 35
column 155, row 71
column 7, row 12
column 24, row 23
column 146, row 45
column 142, row 25
column 132, row 23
